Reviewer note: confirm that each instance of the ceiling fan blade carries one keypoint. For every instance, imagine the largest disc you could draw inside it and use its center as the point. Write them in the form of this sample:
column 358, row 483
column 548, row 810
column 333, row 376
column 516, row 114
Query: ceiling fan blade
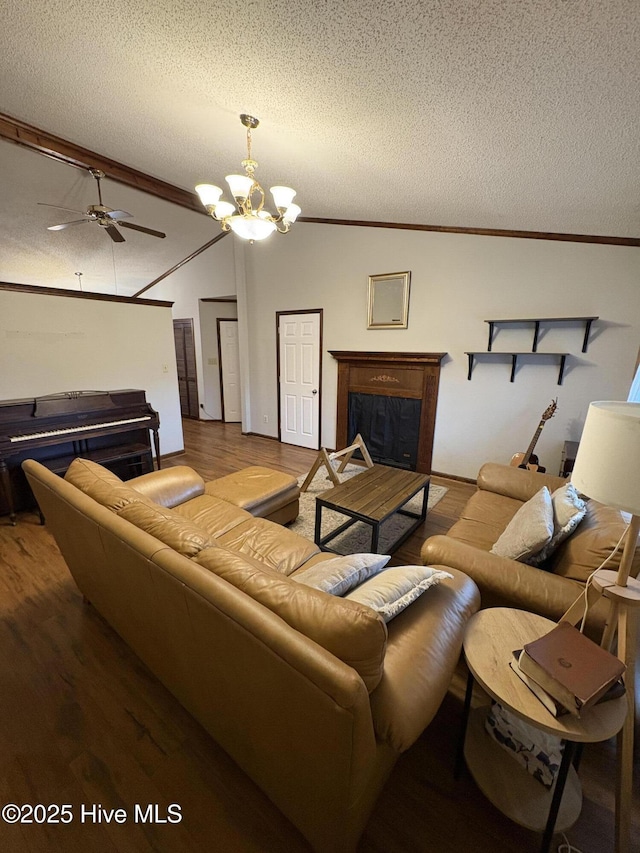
column 141, row 228
column 67, row 224
column 57, row 207
column 118, row 214
column 113, row 232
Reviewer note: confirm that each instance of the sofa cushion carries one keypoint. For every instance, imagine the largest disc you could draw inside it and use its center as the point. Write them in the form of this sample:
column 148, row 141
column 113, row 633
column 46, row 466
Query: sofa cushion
column 102, row 485
column 484, row 518
column 281, row 549
column 592, row 542
column 168, row 526
column 83, row 472
column 568, row 511
column 391, row 591
column 256, row 489
column 347, row 629
column 214, row 515
column 530, row 529
column 340, row 574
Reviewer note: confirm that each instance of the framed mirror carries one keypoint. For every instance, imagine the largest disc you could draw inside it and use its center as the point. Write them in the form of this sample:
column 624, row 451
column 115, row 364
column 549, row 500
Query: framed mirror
column 389, row 301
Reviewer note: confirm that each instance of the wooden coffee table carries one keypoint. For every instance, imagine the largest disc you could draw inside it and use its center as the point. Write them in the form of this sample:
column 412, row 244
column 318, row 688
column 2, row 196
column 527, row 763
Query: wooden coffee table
column 372, row 497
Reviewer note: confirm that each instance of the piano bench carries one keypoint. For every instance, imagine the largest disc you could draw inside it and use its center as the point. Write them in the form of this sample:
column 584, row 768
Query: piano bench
column 263, row 492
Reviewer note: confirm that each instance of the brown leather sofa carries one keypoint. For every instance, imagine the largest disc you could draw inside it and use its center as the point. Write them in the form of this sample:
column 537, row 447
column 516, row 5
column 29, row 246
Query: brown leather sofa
column 313, row 695
column 549, row 590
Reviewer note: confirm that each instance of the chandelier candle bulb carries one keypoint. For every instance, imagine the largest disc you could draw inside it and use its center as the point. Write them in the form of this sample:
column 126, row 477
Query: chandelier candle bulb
column 248, row 218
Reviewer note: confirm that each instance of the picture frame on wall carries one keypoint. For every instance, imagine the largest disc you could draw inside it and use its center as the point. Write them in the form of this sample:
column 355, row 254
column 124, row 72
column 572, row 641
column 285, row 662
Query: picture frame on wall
column 388, row 302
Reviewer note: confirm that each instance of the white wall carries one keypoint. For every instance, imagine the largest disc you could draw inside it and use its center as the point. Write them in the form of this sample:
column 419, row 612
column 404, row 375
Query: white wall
column 50, row 344
column 210, row 274
column 458, row 281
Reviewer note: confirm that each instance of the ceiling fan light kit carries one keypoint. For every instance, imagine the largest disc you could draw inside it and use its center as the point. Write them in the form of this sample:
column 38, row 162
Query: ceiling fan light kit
column 106, row 217
column 248, row 218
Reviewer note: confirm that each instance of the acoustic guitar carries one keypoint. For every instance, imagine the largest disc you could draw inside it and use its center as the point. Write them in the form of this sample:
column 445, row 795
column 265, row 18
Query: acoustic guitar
column 528, row 459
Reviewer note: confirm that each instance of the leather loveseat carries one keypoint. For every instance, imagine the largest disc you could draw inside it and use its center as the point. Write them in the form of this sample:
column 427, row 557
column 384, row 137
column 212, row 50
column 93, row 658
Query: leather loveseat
column 313, row 695
column 549, row 589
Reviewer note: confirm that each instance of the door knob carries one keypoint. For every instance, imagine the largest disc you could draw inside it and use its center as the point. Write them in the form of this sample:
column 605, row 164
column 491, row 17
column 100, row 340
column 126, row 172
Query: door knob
column 315, row 391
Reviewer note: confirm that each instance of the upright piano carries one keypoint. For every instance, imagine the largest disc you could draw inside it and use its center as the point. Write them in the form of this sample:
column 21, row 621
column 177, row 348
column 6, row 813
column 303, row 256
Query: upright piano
column 109, row 427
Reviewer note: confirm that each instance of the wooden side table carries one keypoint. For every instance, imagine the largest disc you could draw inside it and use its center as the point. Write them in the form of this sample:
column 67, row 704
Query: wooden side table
column 490, row 639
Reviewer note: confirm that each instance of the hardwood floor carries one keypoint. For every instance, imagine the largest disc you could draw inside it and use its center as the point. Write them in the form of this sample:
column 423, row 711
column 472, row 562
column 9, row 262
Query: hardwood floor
column 82, row 721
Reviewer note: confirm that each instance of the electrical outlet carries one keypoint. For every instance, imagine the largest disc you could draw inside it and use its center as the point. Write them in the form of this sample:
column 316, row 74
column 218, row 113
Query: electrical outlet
column 265, row 418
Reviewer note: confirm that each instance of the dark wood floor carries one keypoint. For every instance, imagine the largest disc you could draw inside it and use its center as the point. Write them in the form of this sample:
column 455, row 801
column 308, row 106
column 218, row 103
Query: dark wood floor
column 82, row 721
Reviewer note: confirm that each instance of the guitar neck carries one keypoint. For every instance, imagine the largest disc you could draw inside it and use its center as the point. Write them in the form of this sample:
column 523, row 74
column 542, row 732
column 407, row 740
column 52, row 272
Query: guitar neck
column 530, row 449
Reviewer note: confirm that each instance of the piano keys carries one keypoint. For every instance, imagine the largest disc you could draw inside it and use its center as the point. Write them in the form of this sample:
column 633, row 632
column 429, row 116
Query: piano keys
column 113, row 428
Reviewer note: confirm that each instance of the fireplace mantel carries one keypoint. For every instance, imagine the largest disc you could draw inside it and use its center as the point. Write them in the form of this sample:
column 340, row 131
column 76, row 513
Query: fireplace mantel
column 412, row 375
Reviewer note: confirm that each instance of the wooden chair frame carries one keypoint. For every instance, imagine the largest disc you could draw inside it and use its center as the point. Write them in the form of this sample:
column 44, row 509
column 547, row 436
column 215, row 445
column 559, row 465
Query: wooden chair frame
column 325, row 458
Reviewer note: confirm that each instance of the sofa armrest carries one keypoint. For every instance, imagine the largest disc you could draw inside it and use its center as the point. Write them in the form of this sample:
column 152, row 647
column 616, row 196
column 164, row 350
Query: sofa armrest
column 170, row 486
column 515, row 482
column 508, row 583
column 423, row 649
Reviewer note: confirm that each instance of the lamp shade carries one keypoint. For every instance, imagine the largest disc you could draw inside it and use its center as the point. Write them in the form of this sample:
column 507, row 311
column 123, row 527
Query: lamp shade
column 251, row 227
column 209, row 194
column 607, row 465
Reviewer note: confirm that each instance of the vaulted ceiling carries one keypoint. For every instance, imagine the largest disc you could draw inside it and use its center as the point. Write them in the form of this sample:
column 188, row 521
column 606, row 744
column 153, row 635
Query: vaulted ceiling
column 483, row 114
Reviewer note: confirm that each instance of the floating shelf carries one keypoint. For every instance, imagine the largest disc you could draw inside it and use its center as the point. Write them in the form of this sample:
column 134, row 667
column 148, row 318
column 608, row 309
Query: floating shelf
column 561, row 356
column 536, row 322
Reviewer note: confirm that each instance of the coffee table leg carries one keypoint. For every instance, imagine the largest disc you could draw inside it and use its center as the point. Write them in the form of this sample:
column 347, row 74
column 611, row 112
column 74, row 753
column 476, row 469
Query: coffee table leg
column 318, row 528
column 375, row 536
column 565, row 764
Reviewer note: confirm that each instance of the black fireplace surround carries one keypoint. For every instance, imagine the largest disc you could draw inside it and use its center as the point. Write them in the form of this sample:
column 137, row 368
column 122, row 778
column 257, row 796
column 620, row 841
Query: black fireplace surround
column 390, row 427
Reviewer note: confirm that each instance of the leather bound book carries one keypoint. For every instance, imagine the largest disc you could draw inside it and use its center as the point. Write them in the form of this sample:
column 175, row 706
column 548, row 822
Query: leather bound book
column 572, row 669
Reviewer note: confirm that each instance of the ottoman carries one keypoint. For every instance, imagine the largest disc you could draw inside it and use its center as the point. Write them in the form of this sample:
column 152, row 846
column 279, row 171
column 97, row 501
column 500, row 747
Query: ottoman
column 263, row 492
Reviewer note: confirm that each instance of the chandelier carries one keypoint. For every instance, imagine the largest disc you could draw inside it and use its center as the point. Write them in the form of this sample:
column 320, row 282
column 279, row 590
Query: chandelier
column 248, row 218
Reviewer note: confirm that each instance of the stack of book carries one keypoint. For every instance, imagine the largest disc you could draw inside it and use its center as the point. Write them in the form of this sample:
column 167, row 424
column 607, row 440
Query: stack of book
column 568, row 672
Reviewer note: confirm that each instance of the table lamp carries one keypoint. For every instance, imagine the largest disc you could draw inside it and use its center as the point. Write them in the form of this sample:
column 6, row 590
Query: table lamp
column 607, row 469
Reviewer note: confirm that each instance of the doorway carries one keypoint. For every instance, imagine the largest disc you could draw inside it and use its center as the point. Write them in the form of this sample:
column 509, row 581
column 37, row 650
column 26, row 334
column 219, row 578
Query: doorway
column 299, row 369
column 186, row 361
column 229, row 361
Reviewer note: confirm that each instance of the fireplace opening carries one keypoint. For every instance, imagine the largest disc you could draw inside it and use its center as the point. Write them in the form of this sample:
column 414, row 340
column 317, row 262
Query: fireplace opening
column 390, row 427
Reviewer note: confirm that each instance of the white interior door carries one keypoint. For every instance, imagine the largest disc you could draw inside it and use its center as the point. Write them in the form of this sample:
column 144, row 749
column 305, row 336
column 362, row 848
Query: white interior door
column 299, row 342
column 230, row 370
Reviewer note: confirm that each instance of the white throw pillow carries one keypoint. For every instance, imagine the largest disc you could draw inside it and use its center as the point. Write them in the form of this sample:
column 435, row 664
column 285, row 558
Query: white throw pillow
column 341, row 574
column 568, row 511
column 389, row 592
column 530, row 529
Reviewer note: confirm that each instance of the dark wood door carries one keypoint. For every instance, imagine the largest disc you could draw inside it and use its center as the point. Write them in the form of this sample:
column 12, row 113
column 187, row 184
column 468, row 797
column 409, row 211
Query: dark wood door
column 186, row 360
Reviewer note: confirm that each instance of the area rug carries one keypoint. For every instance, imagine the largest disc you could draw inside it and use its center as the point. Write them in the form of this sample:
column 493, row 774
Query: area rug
column 358, row 537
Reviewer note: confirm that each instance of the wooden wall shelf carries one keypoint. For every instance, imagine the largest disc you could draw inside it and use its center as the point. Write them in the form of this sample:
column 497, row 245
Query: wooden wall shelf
column 561, row 356
column 537, row 323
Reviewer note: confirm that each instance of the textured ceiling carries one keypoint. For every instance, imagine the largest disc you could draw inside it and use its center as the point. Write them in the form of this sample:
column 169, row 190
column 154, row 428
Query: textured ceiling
column 482, row 113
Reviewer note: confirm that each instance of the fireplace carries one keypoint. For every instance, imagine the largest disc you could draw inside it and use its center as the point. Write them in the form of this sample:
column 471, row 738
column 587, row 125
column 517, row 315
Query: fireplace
column 390, row 399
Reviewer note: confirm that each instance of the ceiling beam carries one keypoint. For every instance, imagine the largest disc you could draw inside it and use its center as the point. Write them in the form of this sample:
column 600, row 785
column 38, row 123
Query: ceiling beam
column 181, row 263
column 63, row 151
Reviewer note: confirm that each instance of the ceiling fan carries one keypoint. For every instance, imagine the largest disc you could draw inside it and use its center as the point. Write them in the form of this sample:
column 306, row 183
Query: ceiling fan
column 104, row 216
